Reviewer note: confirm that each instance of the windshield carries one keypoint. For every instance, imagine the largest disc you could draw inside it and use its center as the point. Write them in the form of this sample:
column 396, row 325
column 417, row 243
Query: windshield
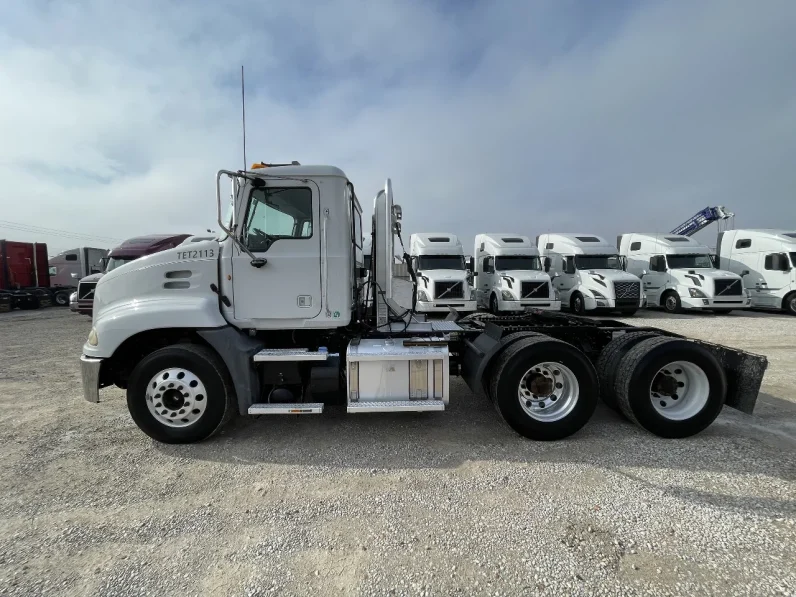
column 689, row 261
column 597, row 262
column 517, row 262
column 115, row 262
column 440, row 262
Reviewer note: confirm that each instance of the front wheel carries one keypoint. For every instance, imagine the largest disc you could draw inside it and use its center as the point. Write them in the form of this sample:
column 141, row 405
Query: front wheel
column 789, row 303
column 180, row 394
column 577, row 305
column 671, row 302
column 543, row 388
column 494, row 308
column 62, row 298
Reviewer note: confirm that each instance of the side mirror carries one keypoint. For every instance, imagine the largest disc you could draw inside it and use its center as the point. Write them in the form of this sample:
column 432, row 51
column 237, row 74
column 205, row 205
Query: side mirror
column 547, row 264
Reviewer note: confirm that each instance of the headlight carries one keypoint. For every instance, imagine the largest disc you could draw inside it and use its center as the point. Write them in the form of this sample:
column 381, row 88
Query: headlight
column 696, row 293
column 93, row 339
column 422, row 296
column 507, row 296
column 598, row 295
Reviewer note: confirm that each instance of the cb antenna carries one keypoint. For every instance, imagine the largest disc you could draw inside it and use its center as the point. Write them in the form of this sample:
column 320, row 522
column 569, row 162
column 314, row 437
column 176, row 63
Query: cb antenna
column 243, row 107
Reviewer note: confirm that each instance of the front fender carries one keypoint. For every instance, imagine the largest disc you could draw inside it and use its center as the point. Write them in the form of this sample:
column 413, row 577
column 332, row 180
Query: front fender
column 117, row 323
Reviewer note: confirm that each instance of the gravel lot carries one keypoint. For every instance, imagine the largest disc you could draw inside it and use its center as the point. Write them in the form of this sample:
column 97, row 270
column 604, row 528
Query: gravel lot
column 447, row 503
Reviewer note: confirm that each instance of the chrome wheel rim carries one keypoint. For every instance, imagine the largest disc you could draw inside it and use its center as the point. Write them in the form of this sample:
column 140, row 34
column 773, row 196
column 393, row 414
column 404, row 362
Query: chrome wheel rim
column 176, row 397
column 671, row 303
column 679, row 390
column 793, row 305
column 548, row 392
column 578, row 304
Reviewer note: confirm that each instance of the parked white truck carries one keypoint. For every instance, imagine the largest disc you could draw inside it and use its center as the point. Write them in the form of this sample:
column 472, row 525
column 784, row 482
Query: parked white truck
column 678, row 273
column 766, row 260
column 509, row 277
column 269, row 320
column 587, row 272
column 438, row 261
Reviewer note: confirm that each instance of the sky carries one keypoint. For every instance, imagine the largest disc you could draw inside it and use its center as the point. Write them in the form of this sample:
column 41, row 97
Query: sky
column 503, row 116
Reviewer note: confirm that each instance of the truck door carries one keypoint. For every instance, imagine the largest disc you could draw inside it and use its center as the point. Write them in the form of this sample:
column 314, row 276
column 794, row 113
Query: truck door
column 656, row 279
column 281, row 225
column 567, row 278
column 776, row 279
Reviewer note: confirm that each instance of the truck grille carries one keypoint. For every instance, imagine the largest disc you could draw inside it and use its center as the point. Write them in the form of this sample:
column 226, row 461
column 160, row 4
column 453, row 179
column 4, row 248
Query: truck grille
column 728, row 287
column 85, row 290
column 627, row 290
column 449, row 290
column 530, row 290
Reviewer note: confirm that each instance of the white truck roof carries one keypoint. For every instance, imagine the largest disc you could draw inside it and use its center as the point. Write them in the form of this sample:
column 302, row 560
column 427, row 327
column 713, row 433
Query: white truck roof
column 435, row 243
column 785, row 235
column 576, row 243
column 504, row 244
column 298, row 170
column 669, row 243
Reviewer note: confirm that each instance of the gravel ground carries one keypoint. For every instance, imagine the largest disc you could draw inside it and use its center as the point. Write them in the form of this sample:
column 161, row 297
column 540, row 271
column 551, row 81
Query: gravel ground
column 446, row 503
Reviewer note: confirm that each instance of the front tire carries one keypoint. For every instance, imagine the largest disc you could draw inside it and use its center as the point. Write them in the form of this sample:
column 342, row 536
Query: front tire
column 670, row 387
column 543, row 388
column 180, row 394
column 671, row 302
column 494, row 307
column 62, row 298
column 789, row 304
column 577, row 304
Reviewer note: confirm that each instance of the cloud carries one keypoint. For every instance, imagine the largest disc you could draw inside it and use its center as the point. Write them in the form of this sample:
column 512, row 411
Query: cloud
column 513, row 116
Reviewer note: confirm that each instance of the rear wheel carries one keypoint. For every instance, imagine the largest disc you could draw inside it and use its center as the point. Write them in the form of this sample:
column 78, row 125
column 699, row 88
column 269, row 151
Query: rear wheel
column 671, row 302
column 62, row 298
column 543, row 388
column 608, row 362
column 670, row 387
column 180, row 394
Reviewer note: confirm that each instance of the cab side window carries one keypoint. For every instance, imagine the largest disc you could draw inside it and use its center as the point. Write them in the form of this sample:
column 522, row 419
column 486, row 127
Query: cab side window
column 489, row 265
column 743, row 243
column 277, row 213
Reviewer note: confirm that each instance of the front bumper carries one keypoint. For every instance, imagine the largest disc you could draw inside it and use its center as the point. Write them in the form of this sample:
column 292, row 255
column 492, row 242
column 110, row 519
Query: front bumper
column 609, row 304
column 444, row 306
column 734, row 302
column 90, row 374
column 544, row 305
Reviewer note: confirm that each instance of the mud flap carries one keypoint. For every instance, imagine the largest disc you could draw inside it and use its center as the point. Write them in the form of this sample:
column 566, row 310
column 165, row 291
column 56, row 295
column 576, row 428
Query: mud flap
column 744, row 372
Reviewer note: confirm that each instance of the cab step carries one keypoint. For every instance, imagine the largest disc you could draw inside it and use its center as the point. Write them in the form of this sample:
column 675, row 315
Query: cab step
column 396, row 406
column 290, row 354
column 286, row 408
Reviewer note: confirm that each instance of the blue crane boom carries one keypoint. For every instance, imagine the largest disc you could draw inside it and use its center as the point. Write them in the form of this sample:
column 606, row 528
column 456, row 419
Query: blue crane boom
column 701, row 219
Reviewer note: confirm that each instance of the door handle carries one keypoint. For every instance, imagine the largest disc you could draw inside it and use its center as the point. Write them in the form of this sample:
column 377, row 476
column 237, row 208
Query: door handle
column 258, row 262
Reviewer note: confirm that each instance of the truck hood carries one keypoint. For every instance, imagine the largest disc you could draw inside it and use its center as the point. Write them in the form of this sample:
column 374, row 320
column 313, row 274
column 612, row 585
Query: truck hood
column 614, row 275
column 441, row 275
column 91, row 278
column 710, row 274
column 524, row 275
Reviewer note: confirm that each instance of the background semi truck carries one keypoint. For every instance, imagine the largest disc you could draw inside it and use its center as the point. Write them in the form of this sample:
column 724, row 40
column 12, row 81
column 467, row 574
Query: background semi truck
column 587, row 272
column 438, row 260
column 126, row 252
column 508, row 275
column 24, row 275
column 67, row 268
column 766, row 261
column 270, row 320
column 678, row 273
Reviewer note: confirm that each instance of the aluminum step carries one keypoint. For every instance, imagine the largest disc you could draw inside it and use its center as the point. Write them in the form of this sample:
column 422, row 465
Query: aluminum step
column 290, row 354
column 396, row 406
column 287, row 408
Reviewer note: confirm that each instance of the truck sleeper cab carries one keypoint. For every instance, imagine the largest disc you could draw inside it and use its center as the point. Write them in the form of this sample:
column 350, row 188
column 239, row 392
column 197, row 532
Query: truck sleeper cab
column 766, row 260
column 508, row 275
column 439, row 263
column 678, row 273
column 587, row 272
column 269, row 319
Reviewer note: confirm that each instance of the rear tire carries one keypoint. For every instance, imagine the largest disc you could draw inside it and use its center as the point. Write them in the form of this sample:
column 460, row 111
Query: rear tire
column 670, row 387
column 563, row 378
column 167, row 423
column 670, row 301
column 61, row 298
column 608, row 363
column 478, row 317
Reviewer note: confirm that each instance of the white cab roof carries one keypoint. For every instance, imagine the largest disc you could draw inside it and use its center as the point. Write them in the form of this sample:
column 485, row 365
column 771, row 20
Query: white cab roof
column 299, row 171
column 578, row 243
column 435, row 243
column 788, row 236
column 671, row 243
column 496, row 243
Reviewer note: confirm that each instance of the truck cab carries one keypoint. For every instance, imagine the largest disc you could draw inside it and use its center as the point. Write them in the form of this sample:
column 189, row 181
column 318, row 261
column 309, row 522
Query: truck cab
column 587, row 272
column 678, row 273
column 509, row 276
column 439, row 263
column 766, row 260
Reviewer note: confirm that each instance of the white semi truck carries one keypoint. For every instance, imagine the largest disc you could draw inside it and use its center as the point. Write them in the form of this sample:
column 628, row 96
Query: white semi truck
column 508, row 275
column 442, row 285
column 587, row 272
column 766, row 260
column 269, row 319
column 678, row 273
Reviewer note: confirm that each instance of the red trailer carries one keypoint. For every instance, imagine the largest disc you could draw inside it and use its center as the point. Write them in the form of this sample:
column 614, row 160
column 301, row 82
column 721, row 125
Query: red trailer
column 24, row 275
